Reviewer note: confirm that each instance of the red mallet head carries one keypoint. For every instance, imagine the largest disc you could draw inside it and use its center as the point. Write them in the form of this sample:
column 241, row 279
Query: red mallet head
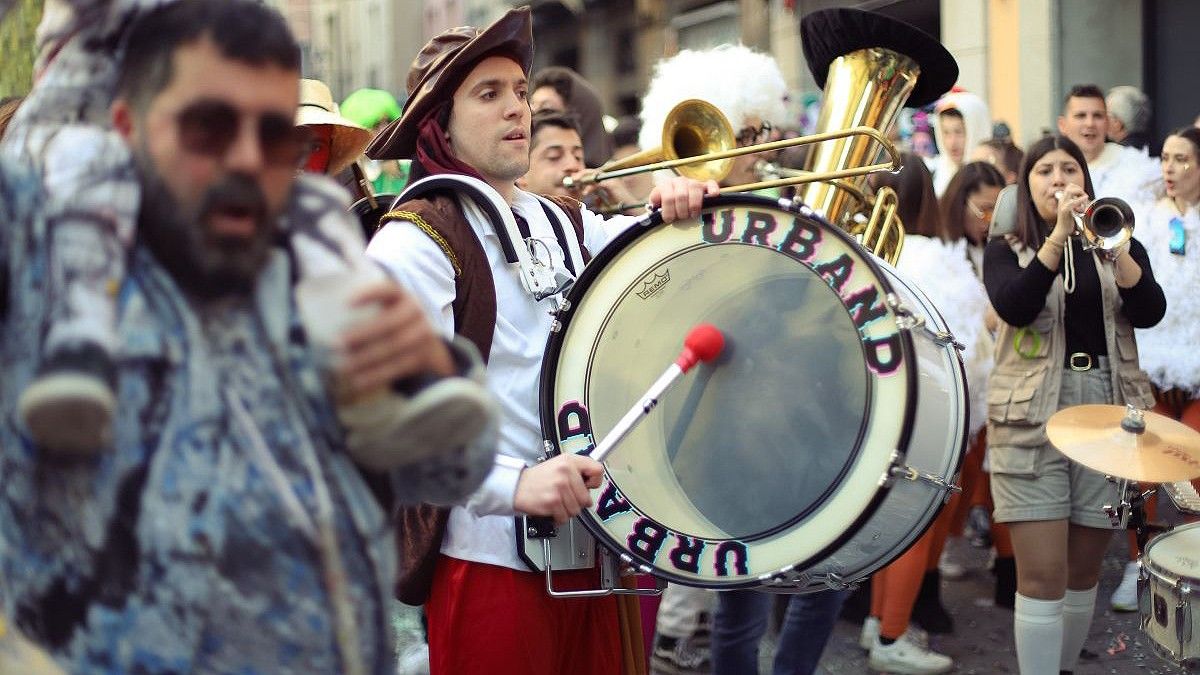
column 703, row 343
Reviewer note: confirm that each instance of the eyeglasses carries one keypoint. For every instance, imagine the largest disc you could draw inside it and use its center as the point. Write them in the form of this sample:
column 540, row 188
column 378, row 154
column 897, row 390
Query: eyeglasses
column 984, row 213
column 752, row 135
column 210, row 128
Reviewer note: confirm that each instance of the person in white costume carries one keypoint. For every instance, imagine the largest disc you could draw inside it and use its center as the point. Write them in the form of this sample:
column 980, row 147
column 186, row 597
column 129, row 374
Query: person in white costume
column 963, row 122
column 1117, row 171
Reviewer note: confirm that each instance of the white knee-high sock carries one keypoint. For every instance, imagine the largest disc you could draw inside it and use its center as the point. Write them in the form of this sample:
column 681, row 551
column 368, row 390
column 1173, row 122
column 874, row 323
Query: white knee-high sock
column 1078, row 607
column 1038, row 628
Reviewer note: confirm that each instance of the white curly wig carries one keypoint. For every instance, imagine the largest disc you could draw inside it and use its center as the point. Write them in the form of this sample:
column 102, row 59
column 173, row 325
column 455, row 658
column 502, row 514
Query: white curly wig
column 736, row 79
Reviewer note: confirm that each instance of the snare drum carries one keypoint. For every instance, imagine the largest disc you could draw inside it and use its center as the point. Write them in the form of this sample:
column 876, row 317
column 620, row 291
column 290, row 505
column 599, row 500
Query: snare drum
column 814, row 451
column 1170, row 576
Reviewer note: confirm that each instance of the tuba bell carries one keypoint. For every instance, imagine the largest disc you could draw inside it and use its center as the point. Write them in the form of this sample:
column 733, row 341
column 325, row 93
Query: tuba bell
column 870, row 67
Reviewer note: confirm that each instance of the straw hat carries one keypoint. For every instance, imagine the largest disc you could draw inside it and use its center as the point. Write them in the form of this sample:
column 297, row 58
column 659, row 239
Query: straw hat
column 317, row 108
column 441, row 66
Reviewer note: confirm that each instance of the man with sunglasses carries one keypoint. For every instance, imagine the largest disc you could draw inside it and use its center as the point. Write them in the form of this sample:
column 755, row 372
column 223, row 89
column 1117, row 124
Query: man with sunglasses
column 230, row 526
column 467, row 127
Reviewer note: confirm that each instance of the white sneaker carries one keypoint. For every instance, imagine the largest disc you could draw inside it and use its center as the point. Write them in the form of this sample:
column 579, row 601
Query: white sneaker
column 1125, row 599
column 908, row 658
column 869, row 634
column 68, row 408
column 951, row 571
column 391, row 430
column 414, row 660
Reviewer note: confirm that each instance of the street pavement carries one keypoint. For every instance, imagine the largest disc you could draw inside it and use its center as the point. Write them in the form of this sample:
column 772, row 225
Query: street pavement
column 982, row 641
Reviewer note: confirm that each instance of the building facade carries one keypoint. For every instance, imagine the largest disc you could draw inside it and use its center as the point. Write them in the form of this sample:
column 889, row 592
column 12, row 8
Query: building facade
column 1020, row 55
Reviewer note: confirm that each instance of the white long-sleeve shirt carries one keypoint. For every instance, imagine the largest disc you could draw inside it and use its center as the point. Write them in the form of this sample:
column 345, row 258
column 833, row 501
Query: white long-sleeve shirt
column 482, row 529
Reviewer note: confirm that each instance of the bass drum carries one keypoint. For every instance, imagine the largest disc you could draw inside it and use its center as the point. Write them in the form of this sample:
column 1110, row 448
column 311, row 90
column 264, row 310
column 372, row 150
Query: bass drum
column 814, row 451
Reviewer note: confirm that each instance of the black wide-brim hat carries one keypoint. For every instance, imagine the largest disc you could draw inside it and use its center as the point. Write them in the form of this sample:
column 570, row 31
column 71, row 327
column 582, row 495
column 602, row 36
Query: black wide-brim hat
column 830, row 33
column 441, row 66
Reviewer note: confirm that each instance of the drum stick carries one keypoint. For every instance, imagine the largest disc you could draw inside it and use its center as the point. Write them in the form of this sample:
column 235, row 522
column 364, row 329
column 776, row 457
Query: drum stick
column 703, row 343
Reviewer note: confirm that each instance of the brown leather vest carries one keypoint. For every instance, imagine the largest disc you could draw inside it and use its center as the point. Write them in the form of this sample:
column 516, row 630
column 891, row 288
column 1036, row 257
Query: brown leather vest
column 422, row 527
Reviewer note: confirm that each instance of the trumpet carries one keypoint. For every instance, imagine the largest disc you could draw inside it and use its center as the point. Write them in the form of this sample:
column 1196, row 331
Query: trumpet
column 1105, row 223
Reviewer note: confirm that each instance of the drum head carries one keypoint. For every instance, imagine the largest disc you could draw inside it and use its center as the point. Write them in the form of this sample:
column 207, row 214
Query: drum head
column 1177, row 553
column 767, row 457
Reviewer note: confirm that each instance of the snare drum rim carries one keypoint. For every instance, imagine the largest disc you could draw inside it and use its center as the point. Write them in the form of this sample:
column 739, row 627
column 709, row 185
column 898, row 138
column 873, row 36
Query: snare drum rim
column 554, row 345
column 1173, row 579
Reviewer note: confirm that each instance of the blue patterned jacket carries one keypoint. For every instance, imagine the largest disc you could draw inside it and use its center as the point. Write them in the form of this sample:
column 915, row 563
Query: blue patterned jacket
column 173, row 551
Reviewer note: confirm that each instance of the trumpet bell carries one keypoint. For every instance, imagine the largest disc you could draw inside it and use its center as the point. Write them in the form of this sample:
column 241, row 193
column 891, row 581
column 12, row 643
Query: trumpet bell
column 1107, row 223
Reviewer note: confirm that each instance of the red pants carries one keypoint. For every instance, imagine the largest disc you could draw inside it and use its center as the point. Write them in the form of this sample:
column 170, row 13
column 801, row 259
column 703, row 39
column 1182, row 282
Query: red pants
column 496, row 620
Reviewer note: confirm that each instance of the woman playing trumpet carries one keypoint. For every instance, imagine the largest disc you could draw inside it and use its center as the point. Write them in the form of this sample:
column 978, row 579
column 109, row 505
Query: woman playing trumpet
column 1066, row 338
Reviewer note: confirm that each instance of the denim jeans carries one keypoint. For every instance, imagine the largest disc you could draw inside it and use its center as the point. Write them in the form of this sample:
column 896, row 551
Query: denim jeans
column 741, row 621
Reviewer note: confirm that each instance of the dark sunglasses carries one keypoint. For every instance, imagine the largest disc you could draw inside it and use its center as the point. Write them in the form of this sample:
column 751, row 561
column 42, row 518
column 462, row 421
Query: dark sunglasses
column 210, row 128
column 752, row 135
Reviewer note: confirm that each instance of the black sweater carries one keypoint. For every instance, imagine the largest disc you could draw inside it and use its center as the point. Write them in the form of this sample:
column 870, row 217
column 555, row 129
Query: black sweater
column 1019, row 294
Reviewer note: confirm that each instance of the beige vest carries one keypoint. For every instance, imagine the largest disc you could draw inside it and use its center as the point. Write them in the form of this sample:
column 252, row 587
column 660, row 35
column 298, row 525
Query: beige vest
column 1023, row 389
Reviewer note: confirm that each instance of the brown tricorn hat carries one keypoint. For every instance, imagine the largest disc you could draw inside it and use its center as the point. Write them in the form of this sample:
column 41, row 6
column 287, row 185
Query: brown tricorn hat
column 441, row 66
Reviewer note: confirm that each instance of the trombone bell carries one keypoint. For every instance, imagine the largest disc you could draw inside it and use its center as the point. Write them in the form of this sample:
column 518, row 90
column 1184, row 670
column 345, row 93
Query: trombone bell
column 692, row 128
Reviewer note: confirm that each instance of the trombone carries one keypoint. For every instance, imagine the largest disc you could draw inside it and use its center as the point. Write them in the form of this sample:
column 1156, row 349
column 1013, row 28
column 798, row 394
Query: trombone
column 697, row 133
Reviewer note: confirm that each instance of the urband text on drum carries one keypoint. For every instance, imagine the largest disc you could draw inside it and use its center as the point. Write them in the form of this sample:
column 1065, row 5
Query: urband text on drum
column 803, row 240
column 647, row 537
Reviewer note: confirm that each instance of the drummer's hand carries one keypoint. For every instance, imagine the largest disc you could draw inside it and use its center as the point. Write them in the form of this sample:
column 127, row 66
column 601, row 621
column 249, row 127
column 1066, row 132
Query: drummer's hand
column 681, row 197
column 558, row 487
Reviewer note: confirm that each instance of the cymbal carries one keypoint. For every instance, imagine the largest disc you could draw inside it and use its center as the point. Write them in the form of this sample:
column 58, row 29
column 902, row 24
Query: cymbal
column 1092, row 435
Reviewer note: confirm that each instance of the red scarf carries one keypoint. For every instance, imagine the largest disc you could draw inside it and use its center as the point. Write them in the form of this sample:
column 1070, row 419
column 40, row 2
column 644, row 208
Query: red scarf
column 433, row 148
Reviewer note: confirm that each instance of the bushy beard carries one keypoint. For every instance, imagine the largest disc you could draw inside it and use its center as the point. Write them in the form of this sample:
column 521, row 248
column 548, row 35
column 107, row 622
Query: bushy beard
column 204, row 264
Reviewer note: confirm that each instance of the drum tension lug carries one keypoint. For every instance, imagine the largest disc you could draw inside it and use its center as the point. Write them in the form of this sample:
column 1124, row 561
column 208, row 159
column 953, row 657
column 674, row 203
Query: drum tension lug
column 909, row 473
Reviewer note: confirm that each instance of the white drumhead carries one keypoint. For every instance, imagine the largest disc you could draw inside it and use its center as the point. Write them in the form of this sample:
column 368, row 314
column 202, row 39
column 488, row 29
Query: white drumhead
column 1177, row 552
column 768, row 457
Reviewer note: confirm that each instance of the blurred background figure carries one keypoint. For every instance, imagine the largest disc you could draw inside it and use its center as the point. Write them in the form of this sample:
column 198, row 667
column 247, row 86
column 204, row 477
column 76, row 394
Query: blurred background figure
column 1171, row 235
column 336, row 141
column 962, row 122
column 908, row 589
column 1001, row 153
column 625, row 143
column 753, row 106
column 8, row 108
column 555, row 152
column 966, row 210
column 1129, row 118
column 375, row 109
column 1116, row 170
column 562, row 89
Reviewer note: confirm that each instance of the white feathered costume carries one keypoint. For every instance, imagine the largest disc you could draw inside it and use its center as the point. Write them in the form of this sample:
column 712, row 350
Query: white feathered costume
column 1168, row 352
column 942, row 271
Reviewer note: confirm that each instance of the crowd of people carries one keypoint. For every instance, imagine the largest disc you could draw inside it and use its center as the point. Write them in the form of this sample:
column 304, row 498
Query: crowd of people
column 242, row 414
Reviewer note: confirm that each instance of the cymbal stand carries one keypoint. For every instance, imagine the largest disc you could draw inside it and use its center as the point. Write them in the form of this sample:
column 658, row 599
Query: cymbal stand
column 1130, row 512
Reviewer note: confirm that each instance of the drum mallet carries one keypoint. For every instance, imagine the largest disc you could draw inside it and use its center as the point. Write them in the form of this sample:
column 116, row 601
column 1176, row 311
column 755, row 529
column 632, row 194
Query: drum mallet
column 703, row 343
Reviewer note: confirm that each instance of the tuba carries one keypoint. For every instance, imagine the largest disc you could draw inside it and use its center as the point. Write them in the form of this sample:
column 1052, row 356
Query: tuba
column 870, row 67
